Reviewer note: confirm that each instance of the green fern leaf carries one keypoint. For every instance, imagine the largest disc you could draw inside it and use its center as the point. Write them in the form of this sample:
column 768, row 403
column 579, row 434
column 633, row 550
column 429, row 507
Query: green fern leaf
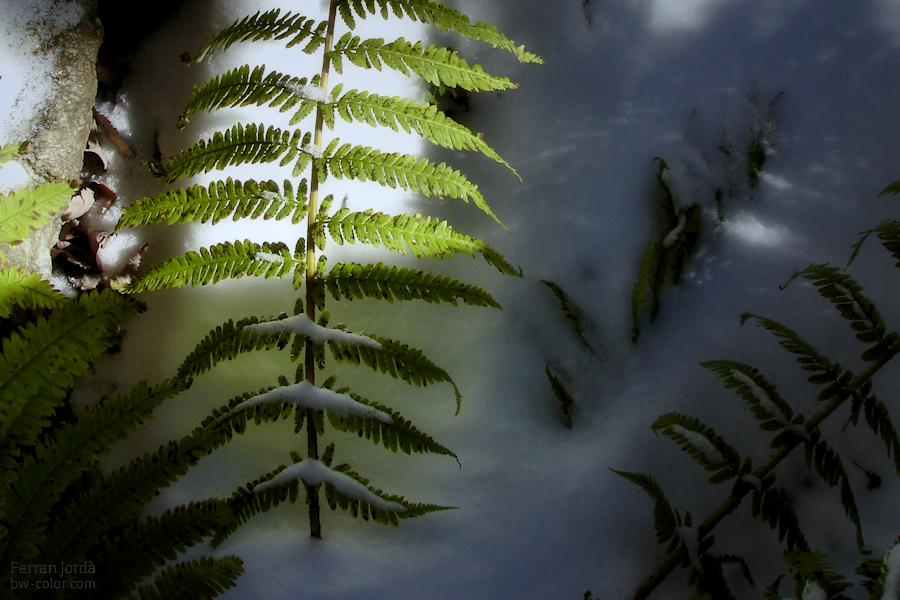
column 777, row 510
column 566, row 402
column 350, row 280
column 228, row 341
column 829, row 467
column 27, row 210
column 815, row 567
column 889, row 234
column 402, row 171
column 766, row 404
column 397, row 360
column 441, row 16
column 242, row 87
column 201, row 579
column 893, row 188
column 825, row 372
column 701, row 442
column 438, row 66
column 241, row 144
column 665, row 519
column 26, row 289
column 42, row 477
column 646, row 276
column 879, row 421
column 147, row 544
column 222, row 199
column 9, row 152
column 423, row 236
column 423, row 119
column 245, row 502
column 399, row 433
column 846, row 294
column 572, row 312
column 211, row 265
column 264, row 26
column 40, row 362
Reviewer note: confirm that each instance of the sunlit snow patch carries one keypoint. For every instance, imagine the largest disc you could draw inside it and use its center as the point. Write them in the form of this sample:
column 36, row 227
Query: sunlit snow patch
column 748, row 228
column 681, row 15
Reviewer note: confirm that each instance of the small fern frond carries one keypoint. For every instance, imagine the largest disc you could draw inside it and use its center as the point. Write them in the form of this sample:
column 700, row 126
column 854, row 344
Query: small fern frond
column 889, row 234
column 665, row 520
column 646, row 277
column 40, row 362
column 222, row 199
column 243, row 87
column 777, row 510
column 9, row 152
column 227, row 342
column 879, row 421
column 805, row 567
column 146, row 544
column 893, row 188
column 825, row 372
column 761, row 396
column 213, row 264
column 438, row 66
column 846, row 295
column 710, row 451
column 829, row 467
column 572, row 312
column 423, row 119
column 246, row 502
column 201, row 579
column 351, row 280
column 882, row 575
column 264, row 26
column 27, row 210
column 399, row 433
column 26, row 289
column 403, row 171
column 241, row 144
column 397, row 360
column 441, row 16
column 566, row 402
column 423, row 236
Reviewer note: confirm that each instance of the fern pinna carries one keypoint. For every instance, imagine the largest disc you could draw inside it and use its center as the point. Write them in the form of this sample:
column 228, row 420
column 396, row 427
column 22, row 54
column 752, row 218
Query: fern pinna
column 313, row 159
column 689, row 546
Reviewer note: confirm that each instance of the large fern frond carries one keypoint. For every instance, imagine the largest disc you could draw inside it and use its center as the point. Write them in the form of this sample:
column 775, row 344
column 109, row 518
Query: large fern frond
column 265, row 26
column 222, row 199
column 26, row 289
column 243, row 87
column 423, row 236
column 777, row 510
column 879, row 421
column 213, row 264
column 27, row 210
column 42, row 477
column 40, row 362
column 397, row 360
column 241, row 144
column 351, row 280
column 438, row 66
column 441, row 16
column 146, row 544
column 710, row 451
column 201, row 579
column 829, row 467
column 401, row 113
column 665, row 519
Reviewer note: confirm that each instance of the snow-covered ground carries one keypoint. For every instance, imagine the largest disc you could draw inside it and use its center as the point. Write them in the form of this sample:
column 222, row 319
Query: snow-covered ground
column 540, row 514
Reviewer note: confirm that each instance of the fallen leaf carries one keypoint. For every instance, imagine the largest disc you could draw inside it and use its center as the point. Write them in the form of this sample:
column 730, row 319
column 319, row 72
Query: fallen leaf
column 78, row 204
column 113, row 134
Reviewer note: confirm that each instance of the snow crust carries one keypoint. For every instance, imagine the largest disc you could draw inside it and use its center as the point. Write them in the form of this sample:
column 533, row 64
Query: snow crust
column 314, row 472
column 309, row 396
column 302, row 325
column 701, row 443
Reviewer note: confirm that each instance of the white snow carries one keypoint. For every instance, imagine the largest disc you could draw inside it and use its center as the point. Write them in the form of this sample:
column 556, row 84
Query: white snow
column 701, row 443
column 676, row 231
column 812, row 591
column 302, row 325
column 314, row 472
column 309, row 396
column 892, row 576
column 268, row 257
column 310, row 92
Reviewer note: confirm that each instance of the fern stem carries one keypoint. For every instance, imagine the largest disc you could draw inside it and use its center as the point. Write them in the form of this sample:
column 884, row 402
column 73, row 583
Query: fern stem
column 734, row 500
column 315, row 526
